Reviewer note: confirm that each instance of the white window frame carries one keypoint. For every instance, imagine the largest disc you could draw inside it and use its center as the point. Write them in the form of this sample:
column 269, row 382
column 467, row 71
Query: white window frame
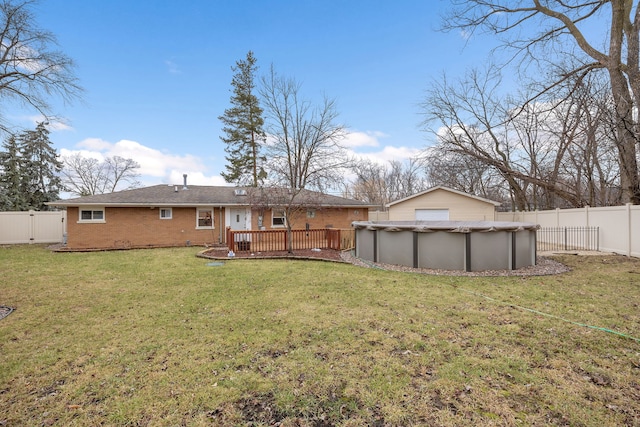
column 204, row 227
column 93, row 210
column 168, row 210
column 311, row 213
column 282, row 217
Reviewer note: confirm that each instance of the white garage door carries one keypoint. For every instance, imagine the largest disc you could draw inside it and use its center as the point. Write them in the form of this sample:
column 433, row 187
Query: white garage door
column 432, row 214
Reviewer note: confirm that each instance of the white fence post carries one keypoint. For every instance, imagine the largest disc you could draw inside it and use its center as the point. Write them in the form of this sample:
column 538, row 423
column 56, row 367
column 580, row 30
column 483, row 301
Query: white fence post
column 586, row 215
column 32, row 218
column 629, row 225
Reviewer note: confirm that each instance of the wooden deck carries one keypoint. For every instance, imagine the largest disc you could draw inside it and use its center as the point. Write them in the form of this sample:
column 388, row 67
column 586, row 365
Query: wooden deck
column 277, row 240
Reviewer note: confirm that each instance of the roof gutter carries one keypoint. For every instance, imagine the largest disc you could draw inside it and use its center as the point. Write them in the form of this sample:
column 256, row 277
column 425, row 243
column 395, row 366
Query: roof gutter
column 187, row 205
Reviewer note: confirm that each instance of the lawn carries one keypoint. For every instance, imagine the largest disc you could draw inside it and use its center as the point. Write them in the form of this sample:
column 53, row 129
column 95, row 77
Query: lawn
column 159, row 337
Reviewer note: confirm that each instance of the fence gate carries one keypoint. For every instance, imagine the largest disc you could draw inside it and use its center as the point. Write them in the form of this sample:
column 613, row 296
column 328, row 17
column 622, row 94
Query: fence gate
column 568, row 238
column 32, row 227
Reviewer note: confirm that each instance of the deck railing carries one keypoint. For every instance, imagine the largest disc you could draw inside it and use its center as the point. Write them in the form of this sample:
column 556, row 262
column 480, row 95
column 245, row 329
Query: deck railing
column 568, row 238
column 278, row 240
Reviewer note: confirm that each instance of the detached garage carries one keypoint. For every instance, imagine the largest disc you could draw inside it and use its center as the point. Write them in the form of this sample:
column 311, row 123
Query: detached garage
column 442, row 204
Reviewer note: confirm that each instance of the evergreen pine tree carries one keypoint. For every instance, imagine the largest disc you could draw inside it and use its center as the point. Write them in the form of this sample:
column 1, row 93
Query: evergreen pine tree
column 13, row 196
column 41, row 173
column 243, row 128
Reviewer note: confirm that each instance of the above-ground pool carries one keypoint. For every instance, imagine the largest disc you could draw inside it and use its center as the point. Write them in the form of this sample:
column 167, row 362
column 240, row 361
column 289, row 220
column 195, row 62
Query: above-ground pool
column 448, row 245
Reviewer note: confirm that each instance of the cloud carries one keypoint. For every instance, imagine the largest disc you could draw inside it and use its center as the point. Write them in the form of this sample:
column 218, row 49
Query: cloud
column 351, row 140
column 172, row 67
column 53, row 124
column 84, row 153
column 362, row 139
column 156, row 167
column 360, row 143
column 450, row 131
column 95, row 144
column 389, row 153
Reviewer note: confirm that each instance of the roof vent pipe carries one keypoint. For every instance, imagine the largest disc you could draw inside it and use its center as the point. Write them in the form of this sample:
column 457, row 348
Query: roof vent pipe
column 184, row 187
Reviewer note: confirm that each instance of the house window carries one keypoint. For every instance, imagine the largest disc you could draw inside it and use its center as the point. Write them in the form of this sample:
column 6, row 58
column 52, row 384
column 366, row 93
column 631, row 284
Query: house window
column 311, row 213
column 278, row 219
column 432, row 214
column 205, row 218
column 166, row 213
column 91, row 215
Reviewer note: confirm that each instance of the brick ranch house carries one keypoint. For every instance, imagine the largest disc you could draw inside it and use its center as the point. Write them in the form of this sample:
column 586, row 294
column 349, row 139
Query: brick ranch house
column 179, row 215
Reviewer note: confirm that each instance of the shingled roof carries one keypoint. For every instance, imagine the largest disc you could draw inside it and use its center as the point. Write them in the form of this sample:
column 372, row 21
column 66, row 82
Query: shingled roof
column 196, row 195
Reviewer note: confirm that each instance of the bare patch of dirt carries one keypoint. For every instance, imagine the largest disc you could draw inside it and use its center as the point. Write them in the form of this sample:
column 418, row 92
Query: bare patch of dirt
column 262, row 409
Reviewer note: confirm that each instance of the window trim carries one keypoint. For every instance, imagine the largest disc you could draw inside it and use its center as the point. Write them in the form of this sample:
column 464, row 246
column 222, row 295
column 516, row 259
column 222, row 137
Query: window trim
column 92, row 209
column 170, row 210
column 204, row 227
column 283, row 217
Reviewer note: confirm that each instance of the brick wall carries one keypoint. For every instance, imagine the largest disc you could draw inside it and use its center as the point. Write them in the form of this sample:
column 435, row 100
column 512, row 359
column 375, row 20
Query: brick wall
column 135, row 227
column 322, row 218
column 139, row 227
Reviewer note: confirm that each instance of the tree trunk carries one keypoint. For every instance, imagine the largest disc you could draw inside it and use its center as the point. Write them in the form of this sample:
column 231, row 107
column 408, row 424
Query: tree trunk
column 625, row 123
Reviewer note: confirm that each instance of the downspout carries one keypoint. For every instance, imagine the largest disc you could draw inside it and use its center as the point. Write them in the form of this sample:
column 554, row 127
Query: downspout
column 221, row 239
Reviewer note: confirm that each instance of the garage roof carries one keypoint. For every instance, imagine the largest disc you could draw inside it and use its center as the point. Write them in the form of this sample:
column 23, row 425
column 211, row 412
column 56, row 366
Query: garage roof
column 451, row 190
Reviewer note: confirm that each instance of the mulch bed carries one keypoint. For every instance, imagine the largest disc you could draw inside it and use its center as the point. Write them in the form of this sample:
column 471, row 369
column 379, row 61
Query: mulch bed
column 323, row 254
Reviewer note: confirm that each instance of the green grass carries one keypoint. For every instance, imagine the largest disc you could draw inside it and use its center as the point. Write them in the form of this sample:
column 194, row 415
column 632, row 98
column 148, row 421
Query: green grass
column 157, row 337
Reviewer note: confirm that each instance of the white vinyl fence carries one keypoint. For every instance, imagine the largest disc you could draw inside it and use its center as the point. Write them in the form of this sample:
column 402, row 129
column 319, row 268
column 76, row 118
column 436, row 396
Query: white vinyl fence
column 32, row 227
column 619, row 225
column 378, row 216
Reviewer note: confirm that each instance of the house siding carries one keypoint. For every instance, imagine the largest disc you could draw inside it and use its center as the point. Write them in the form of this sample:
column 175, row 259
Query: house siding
column 461, row 208
column 131, row 227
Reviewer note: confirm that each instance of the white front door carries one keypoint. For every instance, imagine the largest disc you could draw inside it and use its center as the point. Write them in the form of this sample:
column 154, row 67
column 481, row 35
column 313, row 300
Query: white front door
column 239, row 219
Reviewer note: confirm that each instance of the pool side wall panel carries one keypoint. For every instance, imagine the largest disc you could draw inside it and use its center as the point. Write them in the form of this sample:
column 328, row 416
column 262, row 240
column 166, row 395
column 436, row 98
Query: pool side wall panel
column 395, row 247
column 365, row 247
column 490, row 251
column 525, row 248
column 441, row 250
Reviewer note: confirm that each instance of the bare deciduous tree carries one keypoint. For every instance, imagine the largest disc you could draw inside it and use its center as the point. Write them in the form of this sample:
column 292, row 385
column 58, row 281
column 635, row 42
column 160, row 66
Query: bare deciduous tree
column 369, row 184
column 472, row 121
column 86, row 176
column 551, row 153
column 380, row 183
column 405, row 178
column 304, row 146
column 31, row 70
column 543, row 33
column 463, row 173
